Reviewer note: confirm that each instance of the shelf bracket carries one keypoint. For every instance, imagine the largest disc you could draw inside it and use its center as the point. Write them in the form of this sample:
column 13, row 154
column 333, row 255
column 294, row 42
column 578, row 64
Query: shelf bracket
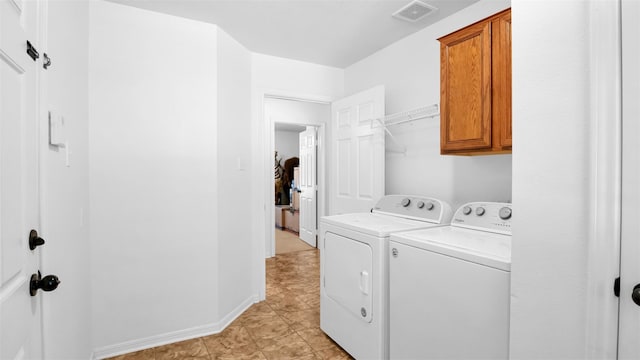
column 404, row 117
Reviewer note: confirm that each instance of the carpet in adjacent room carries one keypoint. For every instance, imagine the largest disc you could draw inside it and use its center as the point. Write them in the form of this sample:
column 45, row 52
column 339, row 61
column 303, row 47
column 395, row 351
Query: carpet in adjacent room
column 287, row 241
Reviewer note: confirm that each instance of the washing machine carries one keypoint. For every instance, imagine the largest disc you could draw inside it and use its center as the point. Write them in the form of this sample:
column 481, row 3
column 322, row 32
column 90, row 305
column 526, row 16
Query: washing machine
column 449, row 287
column 353, row 269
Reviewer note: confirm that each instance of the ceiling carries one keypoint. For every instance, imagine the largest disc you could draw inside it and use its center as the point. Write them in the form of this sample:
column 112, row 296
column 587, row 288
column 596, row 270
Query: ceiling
column 335, row 33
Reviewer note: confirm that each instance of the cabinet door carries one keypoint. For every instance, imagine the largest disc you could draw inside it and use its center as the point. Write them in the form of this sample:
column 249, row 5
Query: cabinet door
column 465, row 89
column 501, row 79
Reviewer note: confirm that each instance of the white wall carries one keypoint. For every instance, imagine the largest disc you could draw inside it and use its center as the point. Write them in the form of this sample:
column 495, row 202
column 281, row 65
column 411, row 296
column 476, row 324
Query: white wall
column 154, row 173
column 410, row 71
column 551, row 179
column 297, row 112
column 302, row 78
column 235, row 174
column 294, row 112
column 287, row 144
column 65, row 196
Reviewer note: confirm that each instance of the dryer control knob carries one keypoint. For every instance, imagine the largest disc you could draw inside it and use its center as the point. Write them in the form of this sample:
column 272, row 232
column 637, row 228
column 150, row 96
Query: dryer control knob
column 480, row 211
column 505, row 213
column 430, row 205
column 405, row 202
column 466, row 210
column 420, row 204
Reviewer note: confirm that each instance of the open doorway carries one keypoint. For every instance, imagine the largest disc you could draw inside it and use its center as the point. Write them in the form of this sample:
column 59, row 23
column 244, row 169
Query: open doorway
column 297, row 133
column 295, row 185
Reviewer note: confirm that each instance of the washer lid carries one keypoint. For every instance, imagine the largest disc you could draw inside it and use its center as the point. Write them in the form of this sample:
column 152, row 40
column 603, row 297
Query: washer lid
column 480, row 247
column 378, row 225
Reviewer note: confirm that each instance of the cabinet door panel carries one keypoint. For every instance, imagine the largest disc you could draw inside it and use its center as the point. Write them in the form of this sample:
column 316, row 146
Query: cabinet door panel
column 502, row 78
column 465, row 95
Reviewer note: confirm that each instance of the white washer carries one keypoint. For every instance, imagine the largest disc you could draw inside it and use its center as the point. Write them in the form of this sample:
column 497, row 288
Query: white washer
column 449, row 287
column 353, row 269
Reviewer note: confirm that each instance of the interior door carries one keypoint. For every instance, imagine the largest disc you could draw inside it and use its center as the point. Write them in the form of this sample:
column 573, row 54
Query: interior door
column 629, row 315
column 308, row 185
column 357, row 167
column 20, row 316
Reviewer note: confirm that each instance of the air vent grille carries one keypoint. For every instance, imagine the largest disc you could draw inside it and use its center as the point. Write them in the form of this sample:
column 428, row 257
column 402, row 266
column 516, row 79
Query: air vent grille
column 414, row 11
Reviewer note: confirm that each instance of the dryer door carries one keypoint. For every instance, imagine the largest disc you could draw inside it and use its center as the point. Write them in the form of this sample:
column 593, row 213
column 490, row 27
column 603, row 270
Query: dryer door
column 347, row 274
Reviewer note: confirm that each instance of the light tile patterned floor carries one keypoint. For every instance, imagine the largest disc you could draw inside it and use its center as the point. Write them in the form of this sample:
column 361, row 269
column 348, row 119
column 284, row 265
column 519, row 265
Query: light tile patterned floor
column 285, row 326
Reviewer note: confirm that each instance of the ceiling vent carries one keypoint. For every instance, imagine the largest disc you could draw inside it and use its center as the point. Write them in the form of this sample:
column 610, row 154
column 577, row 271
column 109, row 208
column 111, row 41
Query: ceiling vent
column 414, row 11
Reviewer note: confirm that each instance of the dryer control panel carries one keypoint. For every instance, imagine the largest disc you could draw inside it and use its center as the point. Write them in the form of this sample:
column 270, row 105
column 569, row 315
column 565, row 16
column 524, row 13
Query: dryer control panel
column 415, row 207
column 487, row 216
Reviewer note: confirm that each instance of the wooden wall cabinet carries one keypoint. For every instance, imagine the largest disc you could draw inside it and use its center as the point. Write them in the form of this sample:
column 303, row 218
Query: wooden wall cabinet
column 475, row 88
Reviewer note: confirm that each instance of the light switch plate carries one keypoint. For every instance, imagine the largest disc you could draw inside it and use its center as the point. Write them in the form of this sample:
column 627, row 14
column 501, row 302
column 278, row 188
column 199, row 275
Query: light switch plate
column 56, row 130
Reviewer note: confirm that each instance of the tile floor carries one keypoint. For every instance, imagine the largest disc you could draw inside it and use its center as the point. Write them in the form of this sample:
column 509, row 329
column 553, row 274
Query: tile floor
column 285, row 326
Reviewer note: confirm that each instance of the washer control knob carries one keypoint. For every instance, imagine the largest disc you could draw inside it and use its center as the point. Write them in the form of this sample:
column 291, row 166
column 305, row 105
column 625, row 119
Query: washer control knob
column 480, row 211
column 430, row 206
column 466, row 210
column 420, row 204
column 405, row 202
column 505, row 213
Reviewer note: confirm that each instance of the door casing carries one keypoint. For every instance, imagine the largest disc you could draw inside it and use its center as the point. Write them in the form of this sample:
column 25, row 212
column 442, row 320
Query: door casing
column 268, row 183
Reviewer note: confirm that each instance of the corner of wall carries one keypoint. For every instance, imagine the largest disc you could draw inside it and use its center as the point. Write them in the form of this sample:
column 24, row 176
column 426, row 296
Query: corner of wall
column 235, row 241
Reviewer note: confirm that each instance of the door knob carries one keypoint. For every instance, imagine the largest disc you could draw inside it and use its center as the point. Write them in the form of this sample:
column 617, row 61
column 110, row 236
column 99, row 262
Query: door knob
column 635, row 294
column 47, row 283
column 35, row 240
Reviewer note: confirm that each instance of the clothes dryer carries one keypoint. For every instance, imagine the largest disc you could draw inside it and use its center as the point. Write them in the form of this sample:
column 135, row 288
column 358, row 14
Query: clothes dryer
column 450, row 287
column 353, row 269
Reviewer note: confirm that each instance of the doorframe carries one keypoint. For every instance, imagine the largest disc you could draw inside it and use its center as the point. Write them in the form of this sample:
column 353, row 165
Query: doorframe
column 603, row 251
column 270, row 247
column 262, row 207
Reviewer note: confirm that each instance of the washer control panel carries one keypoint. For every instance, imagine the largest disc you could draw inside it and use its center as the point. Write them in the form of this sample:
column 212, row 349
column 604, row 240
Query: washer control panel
column 415, row 207
column 486, row 216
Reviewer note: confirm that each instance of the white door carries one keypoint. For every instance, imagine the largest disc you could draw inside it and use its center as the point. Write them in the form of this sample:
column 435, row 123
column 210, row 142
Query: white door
column 20, row 317
column 357, row 166
column 308, row 185
column 629, row 315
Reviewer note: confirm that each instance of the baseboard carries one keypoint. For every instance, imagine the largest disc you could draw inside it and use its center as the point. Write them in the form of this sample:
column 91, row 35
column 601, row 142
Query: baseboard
column 175, row 336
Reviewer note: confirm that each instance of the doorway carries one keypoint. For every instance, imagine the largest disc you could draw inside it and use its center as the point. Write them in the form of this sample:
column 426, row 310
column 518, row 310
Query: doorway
column 295, row 186
column 303, row 203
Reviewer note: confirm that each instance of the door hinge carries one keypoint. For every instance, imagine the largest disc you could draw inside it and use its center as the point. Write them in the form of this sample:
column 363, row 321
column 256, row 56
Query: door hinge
column 46, row 62
column 32, row 52
column 616, row 287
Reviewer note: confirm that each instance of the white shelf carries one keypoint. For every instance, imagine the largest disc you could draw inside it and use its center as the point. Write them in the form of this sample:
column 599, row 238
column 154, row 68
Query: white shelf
column 424, row 112
column 411, row 115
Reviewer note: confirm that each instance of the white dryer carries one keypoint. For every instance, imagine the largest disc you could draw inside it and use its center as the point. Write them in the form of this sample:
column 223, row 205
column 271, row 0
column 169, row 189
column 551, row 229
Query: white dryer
column 449, row 287
column 353, row 269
